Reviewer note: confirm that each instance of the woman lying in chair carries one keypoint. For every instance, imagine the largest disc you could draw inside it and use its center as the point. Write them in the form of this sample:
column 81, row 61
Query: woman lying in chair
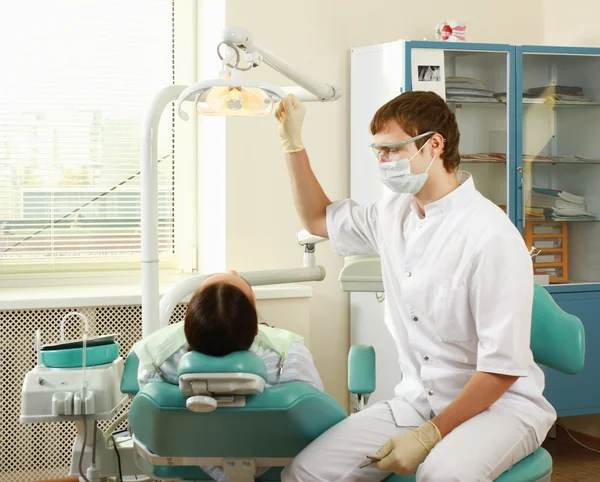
column 221, row 318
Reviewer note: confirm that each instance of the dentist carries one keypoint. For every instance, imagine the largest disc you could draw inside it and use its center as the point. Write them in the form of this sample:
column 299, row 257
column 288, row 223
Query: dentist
column 459, row 290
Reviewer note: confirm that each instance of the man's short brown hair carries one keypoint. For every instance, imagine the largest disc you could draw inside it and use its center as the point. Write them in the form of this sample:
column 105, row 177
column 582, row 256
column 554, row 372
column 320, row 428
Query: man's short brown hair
column 418, row 112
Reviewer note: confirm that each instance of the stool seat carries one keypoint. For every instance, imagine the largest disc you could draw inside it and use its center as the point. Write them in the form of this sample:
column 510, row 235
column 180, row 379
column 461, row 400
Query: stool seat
column 536, row 467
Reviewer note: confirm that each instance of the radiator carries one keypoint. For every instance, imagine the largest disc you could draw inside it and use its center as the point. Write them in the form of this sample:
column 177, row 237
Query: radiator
column 43, row 451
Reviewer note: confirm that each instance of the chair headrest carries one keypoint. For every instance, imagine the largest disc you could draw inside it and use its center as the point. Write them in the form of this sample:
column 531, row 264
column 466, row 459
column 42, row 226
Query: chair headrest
column 237, row 362
column 228, row 379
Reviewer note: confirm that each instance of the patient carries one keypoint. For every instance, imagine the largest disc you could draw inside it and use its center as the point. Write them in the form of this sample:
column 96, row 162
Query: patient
column 221, row 318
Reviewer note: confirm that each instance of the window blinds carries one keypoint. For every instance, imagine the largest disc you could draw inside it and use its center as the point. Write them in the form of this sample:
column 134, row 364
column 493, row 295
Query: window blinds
column 76, row 80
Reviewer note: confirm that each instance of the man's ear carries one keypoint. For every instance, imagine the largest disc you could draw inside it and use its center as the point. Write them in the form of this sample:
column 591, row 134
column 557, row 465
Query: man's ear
column 437, row 145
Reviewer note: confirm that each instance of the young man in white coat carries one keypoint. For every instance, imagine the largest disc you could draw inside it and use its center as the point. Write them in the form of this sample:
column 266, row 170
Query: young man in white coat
column 459, row 290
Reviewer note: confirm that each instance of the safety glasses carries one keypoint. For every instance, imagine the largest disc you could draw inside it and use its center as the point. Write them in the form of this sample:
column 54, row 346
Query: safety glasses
column 389, row 152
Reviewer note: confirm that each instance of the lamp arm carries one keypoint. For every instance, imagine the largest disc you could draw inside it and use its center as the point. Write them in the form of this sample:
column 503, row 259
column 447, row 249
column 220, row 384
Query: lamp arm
column 243, row 39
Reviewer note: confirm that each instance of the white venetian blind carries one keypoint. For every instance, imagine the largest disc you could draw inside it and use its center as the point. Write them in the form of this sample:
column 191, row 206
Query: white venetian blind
column 76, row 78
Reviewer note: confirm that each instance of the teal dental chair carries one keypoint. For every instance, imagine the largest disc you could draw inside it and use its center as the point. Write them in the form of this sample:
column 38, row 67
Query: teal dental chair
column 220, row 414
column 557, row 341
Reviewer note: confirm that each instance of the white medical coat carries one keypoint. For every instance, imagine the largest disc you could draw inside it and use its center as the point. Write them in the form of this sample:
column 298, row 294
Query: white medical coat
column 459, row 293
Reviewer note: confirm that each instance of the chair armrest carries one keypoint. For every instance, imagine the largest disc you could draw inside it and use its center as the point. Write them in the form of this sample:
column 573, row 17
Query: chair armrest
column 361, row 370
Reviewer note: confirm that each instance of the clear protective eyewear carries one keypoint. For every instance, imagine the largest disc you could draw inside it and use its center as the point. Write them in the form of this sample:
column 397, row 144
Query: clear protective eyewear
column 389, row 152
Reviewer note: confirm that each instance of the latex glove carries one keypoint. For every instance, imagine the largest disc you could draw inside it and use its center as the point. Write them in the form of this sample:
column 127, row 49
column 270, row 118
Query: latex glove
column 290, row 115
column 403, row 454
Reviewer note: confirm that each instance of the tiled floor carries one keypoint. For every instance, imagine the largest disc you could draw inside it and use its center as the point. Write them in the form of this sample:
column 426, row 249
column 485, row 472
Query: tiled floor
column 571, row 462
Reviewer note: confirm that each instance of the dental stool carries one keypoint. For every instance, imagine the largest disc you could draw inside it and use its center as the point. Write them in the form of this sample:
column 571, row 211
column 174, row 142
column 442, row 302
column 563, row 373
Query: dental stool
column 557, row 342
column 221, row 414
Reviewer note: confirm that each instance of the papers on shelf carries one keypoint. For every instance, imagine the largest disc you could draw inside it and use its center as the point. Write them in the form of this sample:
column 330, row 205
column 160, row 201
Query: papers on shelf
column 500, row 157
column 557, row 205
column 466, row 89
column 557, row 94
column 484, row 157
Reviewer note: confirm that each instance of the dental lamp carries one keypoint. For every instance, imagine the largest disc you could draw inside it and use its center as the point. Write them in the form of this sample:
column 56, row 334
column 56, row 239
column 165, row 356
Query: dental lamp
column 233, row 96
column 229, row 95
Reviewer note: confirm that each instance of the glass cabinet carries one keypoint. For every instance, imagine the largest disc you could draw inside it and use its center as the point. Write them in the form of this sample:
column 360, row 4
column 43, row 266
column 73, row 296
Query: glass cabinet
column 478, row 84
column 558, row 161
column 477, row 90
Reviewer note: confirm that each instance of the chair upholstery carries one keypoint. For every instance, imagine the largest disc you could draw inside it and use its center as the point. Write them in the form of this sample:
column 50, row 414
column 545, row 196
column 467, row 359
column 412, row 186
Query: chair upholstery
column 277, row 423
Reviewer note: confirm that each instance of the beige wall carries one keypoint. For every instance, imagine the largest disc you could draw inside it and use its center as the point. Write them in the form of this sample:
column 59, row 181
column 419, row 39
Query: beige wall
column 574, row 26
column 318, row 35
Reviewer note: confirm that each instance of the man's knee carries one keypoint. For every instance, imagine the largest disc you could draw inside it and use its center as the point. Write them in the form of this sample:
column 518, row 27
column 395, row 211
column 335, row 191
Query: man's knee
column 436, row 470
column 429, row 472
column 300, row 470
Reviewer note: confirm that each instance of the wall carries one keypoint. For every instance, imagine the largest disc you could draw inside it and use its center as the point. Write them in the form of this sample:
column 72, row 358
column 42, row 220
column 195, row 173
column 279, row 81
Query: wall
column 571, row 26
column 316, row 34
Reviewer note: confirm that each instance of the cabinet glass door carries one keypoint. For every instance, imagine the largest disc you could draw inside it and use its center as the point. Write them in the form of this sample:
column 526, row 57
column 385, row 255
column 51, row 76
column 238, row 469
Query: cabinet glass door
column 559, row 158
column 477, row 83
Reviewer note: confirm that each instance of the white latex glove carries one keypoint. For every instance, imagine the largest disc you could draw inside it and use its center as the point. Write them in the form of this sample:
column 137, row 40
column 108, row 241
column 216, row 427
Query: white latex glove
column 404, row 453
column 290, row 114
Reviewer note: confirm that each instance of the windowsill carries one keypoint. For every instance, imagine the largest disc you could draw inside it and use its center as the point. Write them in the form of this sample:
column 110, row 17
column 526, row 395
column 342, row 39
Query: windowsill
column 28, row 298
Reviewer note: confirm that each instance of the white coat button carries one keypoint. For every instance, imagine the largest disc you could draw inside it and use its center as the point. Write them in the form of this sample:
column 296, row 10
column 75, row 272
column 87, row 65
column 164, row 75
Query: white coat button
column 430, row 392
column 426, row 358
column 420, row 225
column 408, row 274
column 415, row 318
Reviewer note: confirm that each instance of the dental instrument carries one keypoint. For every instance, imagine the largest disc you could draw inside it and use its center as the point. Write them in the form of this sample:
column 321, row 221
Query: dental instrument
column 372, row 460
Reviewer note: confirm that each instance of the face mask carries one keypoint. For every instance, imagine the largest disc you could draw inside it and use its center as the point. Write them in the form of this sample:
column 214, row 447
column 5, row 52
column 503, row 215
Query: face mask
column 396, row 175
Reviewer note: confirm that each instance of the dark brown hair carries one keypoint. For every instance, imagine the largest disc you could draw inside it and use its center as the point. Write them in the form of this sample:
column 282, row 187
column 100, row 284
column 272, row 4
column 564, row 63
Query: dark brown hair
column 418, row 112
column 219, row 320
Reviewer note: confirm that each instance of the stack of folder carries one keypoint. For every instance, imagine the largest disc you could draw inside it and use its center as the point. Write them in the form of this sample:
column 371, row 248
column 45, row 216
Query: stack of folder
column 558, row 205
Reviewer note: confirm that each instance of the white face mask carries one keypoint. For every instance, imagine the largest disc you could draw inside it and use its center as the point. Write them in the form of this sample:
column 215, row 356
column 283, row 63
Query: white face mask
column 396, row 175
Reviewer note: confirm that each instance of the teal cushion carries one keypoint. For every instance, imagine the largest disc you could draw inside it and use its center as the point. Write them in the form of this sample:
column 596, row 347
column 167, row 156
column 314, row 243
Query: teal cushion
column 557, row 338
column 281, row 421
column 73, row 357
column 238, row 362
column 530, row 469
column 361, row 369
column 129, row 380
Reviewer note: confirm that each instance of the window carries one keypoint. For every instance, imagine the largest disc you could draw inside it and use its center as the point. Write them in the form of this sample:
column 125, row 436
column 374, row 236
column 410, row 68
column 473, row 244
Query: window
column 77, row 79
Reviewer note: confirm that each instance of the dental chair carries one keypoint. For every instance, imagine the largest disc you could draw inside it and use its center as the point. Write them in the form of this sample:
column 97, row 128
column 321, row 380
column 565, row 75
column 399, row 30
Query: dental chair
column 557, row 342
column 221, row 414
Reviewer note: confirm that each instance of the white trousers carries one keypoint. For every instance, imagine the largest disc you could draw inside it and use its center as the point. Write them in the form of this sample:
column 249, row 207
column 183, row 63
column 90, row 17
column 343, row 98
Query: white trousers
column 479, row 450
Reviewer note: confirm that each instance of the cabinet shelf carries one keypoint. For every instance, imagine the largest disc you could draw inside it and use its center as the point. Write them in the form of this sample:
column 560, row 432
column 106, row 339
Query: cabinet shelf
column 482, row 162
column 526, row 102
column 485, row 103
column 529, row 102
column 532, row 220
column 587, row 162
